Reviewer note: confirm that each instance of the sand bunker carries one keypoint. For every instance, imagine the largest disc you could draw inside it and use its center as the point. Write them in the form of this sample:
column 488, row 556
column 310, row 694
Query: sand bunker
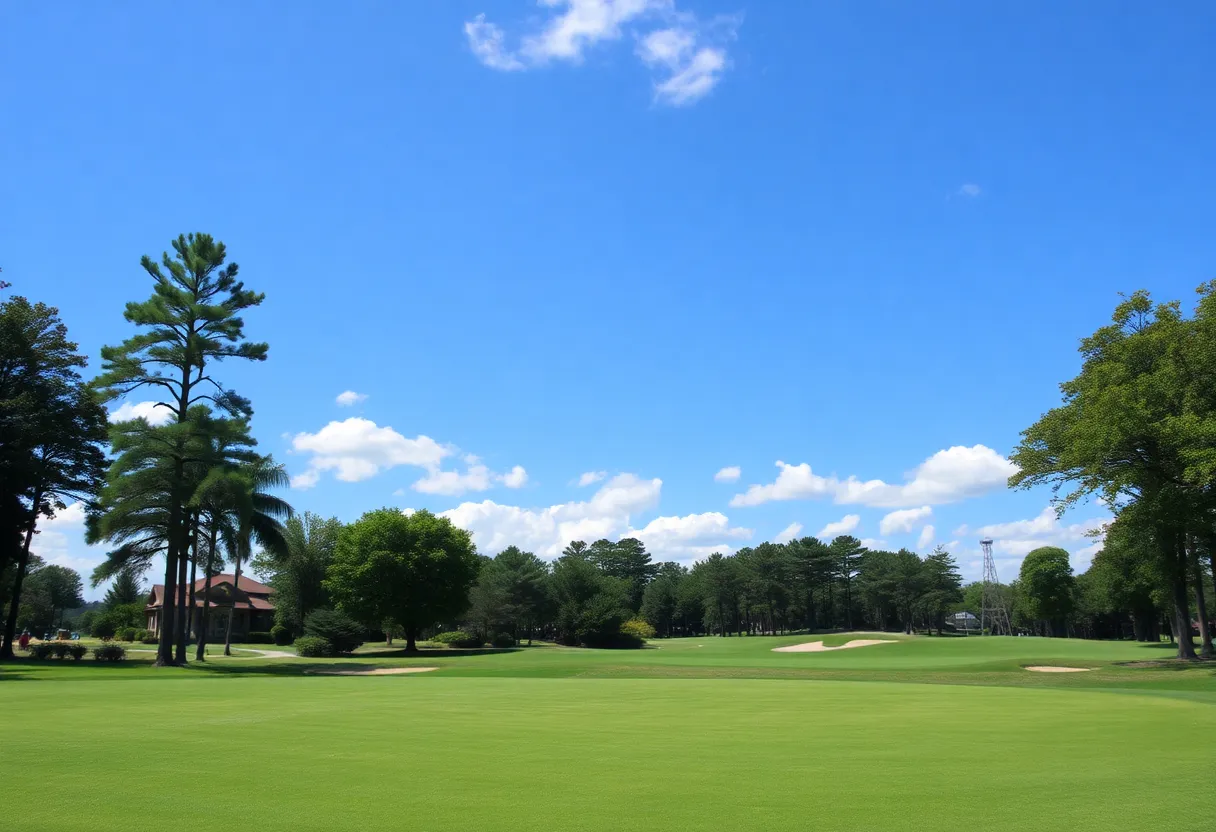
column 1048, row 668
column 817, row 646
column 375, row 671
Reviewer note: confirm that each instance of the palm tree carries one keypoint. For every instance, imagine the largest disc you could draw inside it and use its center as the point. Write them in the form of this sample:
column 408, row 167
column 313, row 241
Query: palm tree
column 258, row 517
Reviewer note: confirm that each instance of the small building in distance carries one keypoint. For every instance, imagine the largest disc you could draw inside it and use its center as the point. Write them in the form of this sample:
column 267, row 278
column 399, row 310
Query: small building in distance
column 251, row 604
column 963, row 621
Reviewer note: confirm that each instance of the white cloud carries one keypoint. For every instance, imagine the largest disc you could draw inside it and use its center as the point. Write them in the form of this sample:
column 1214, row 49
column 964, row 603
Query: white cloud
column 969, row 189
column 488, row 44
column 788, row 533
column 730, row 473
column 60, row 540
column 844, row 525
column 873, row 543
column 590, row 477
column 357, row 449
column 141, row 410
column 687, row 53
column 349, row 398
column 452, row 483
column 948, row 476
column 517, row 477
column 691, row 537
column 546, row 531
column 904, row 520
column 926, row 537
column 691, row 72
column 1016, row 539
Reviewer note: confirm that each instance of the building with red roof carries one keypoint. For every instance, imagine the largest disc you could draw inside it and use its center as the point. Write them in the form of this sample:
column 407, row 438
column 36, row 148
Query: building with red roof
column 250, row 602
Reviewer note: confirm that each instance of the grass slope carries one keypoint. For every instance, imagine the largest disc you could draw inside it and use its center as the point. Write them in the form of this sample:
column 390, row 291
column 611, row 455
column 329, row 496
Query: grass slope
column 926, row 733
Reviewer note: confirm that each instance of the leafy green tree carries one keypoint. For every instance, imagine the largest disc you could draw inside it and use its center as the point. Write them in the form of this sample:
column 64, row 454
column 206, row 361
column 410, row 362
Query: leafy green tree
column 342, row 632
column 720, row 584
column 626, row 559
column 51, row 591
column 297, row 573
column 1049, row 587
column 51, row 427
column 910, row 583
column 191, row 322
column 414, row 569
column 126, row 589
column 767, row 575
column 848, row 553
column 812, row 570
column 522, row 578
column 941, row 588
column 1135, row 427
column 257, row 517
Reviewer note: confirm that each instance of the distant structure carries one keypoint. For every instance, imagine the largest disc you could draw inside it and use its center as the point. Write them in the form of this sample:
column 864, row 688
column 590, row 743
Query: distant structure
column 993, row 614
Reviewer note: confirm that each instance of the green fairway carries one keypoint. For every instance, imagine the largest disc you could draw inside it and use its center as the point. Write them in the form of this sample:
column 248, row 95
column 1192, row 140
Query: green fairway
column 697, row 734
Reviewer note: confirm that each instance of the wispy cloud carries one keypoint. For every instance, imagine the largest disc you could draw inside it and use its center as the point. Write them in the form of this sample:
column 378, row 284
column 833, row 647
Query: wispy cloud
column 689, row 56
column 969, row 190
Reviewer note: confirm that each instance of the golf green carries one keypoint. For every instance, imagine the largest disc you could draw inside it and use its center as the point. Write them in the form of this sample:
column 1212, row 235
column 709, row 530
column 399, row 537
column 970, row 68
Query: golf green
column 699, row 734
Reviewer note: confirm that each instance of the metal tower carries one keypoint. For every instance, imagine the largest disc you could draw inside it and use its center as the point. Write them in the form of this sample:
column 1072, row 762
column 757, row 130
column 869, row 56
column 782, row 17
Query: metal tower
column 992, row 606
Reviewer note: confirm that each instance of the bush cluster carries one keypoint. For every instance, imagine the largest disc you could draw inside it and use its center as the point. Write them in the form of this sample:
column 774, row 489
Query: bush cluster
column 58, row 650
column 314, row 647
column 343, row 634
column 110, row 653
column 103, row 628
column 638, row 628
column 457, row 638
column 150, row 637
column 126, row 634
column 502, row 640
column 281, row 635
column 259, row 638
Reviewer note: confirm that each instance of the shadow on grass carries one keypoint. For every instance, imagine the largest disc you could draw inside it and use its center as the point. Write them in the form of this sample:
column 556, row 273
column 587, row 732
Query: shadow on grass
column 432, row 652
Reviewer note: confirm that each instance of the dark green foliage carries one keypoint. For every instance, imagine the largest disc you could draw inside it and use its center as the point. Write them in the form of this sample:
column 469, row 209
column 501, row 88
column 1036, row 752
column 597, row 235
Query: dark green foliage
column 313, row 647
column 77, row 650
column 126, row 634
column 502, row 640
column 297, row 571
column 259, row 638
column 1048, row 587
column 110, row 653
column 415, row 570
column 103, row 628
column 627, row 560
column 41, row 650
column 126, row 589
column 457, row 638
column 510, row 594
column 281, row 635
column 149, row 638
column 342, row 632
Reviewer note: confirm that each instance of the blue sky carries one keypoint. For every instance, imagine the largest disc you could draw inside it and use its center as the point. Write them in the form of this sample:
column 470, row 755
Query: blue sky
column 648, row 239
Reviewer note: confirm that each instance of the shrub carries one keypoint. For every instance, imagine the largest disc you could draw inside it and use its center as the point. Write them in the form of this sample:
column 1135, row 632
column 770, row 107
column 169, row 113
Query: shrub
column 77, row 650
column 140, row 635
column 638, row 627
column 103, row 628
column 314, row 647
column 61, row 649
column 343, row 634
column 502, row 640
column 126, row 634
column 110, row 653
column 259, row 638
column 41, row 650
column 458, row 638
column 280, row 634
column 150, row 638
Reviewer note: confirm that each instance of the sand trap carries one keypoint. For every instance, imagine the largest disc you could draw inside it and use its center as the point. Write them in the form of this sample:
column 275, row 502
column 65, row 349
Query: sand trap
column 375, row 671
column 1048, row 668
column 817, row 646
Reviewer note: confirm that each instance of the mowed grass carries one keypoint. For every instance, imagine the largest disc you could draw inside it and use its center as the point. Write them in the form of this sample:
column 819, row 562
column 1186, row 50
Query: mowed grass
column 697, row 734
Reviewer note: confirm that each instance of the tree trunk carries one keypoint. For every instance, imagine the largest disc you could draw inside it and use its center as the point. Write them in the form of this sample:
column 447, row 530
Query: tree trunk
column 164, row 650
column 1182, row 617
column 190, row 611
column 23, row 562
column 1201, row 605
column 200, row 652
column 180, row 639
column 232, row 609
column 411, row 639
